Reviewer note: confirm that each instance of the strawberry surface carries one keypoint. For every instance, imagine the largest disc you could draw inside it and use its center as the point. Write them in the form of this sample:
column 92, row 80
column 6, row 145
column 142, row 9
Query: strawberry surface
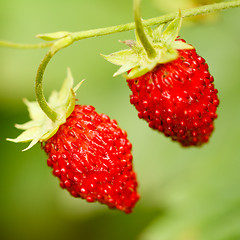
column 178, row 98
column 92, row 158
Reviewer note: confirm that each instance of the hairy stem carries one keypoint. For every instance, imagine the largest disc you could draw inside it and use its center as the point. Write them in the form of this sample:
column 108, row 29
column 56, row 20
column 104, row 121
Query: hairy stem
column 154, row 21
column 39, row 88
column 140, row 31
column 24, row 46
column 130, row 26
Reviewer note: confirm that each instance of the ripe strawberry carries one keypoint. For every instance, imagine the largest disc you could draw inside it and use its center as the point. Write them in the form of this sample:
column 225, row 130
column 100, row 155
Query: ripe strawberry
column 178, row 98
column 171, row 86
column 88, row 152
column 92, row 158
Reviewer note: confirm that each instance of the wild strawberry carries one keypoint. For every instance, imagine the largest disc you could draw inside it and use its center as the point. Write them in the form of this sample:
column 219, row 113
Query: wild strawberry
column 92, row 158
column 88, row 152
column 178, row 98
column 171, row 86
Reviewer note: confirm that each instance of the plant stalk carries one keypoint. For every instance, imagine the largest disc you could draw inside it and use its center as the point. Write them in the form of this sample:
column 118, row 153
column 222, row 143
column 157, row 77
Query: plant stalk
column 155, row 21
column 25, row 45
column 140, row 31
column 39, row 88
column 130, row 26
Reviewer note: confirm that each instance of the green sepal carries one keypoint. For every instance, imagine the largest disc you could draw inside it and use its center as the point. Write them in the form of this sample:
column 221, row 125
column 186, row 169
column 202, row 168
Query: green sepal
column 163, row 56
column 181, row 45
column 139, row 71
column 149, row 32
column 157, row 33
column 122, row 57
column 40, row 128
column 53, row 36
column 135, row 60
column 171, row 32
column 125, row 68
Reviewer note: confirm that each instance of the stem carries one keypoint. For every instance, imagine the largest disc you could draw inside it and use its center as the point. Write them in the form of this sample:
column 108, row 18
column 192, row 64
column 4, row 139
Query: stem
column 140, row 31
column 130, row 26
column 24, row 46
column 154, row 21
column 39, row 88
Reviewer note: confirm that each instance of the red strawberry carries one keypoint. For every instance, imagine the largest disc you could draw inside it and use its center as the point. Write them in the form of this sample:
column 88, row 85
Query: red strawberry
column 88, row 152
column 172, row 88
column 92, row 158
column 178, row 98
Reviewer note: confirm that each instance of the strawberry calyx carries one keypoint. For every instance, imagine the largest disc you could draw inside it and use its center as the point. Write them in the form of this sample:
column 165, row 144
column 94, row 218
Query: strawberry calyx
column 136, row 60
column 40, row 128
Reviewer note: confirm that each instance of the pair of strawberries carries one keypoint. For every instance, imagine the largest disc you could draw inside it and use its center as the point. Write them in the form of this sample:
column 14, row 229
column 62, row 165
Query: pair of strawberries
column 174, row 93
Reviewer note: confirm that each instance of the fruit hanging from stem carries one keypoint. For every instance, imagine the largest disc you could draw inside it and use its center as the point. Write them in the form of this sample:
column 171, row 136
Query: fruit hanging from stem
column 88, row 151
column 92, row 158
column 173, row 91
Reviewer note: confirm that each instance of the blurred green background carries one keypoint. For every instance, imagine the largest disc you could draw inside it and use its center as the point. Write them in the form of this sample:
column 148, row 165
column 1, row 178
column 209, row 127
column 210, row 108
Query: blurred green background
column 186, row 194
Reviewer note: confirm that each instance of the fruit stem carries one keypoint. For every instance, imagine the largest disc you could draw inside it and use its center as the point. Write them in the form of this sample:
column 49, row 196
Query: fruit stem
column 24, row 46
column 130, row 26
column 154, row 21
column 140, row 31
column 39, row 88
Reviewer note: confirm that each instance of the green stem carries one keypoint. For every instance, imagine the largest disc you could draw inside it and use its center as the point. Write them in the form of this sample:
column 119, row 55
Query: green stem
column 24, row 46
column 154, row 21
column 130, row 26
column 140, row 31
column 39, row 88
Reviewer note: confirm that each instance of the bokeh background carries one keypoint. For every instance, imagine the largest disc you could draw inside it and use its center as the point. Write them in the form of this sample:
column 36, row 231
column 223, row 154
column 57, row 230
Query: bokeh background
column 186, row 193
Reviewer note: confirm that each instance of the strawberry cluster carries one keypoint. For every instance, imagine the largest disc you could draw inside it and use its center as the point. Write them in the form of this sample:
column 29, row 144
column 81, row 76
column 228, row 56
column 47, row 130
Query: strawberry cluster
column 172, row 90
